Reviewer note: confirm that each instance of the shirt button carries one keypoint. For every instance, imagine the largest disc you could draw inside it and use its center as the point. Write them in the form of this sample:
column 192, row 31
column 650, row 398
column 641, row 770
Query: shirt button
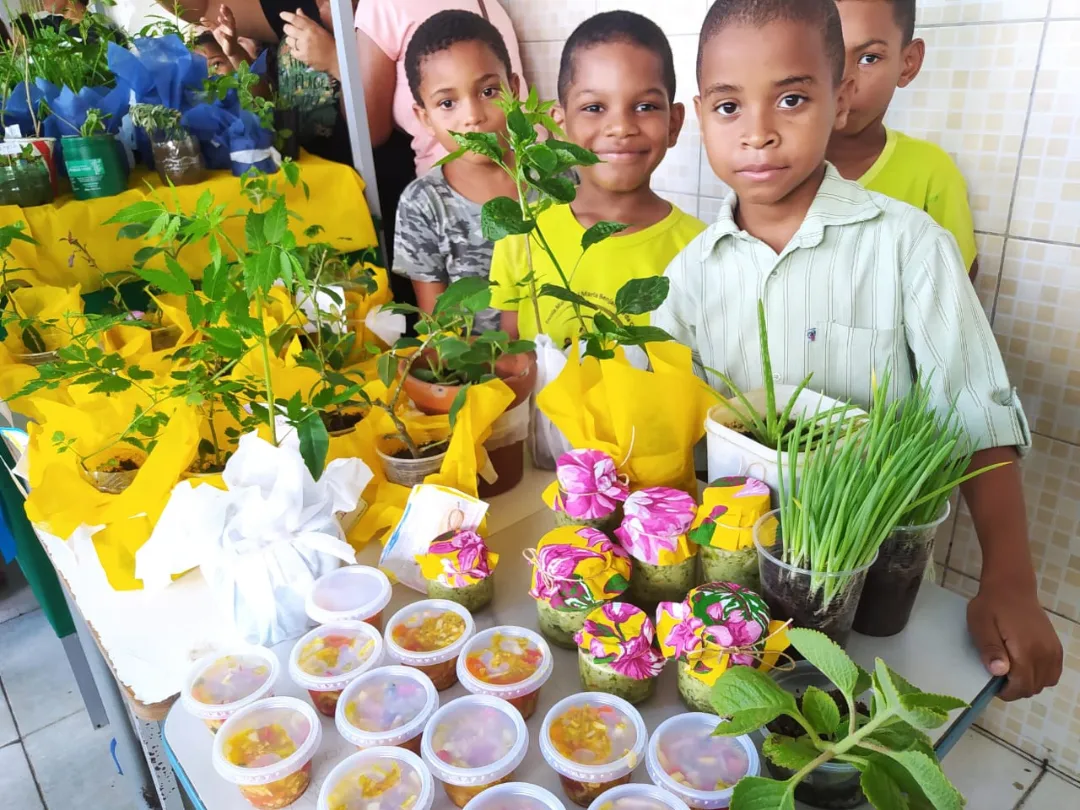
column 776, row 377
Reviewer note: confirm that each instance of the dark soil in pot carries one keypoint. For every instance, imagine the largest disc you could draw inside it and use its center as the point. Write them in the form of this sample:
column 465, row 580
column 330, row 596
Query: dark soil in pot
column 426, row 451
column 179, row 160
column 339, row 422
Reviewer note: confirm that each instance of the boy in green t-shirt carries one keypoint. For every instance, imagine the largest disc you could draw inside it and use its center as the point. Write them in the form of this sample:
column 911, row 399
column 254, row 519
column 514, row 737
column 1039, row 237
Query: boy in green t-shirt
column 883, row 54
column 617, row 98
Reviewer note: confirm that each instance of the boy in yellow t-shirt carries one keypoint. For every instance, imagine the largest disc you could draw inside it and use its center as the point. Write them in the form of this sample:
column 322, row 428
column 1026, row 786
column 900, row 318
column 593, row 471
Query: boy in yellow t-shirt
column 883, row 54
column 616, row 97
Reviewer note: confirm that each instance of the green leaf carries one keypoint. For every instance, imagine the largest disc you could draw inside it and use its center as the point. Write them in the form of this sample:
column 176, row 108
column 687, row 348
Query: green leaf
column 903, row 699
column 143, row 255
column 165, row 281
column 292, row 175
column 501, row 217
column 541, row 156
column 457, row 405
column 136, row 230
column 820, row 710
column 635, row 335
column 579, row 154
column 519, row 346
column 386, row 366
column 758, row 793
column 139, row 374
column 226, row 341
column 789, row 752
column 215, row 281
column 111, row 385
column 276, row 221
column 827, row 656
column 480, row 143
column 559, row 187
column 468, row 290
column 450, row 158
column 898, row 735
column 314, row 444
column 599, row 232
column 563, row 294
column 881, row 789
column 640, row 296
column 927, row 773
column 751, row 699
column 254, row 231
column 144, row 211
column 517, row 124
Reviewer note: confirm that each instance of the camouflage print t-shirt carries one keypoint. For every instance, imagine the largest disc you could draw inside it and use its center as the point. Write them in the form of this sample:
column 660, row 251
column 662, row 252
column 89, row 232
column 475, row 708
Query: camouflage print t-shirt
column 438, row 237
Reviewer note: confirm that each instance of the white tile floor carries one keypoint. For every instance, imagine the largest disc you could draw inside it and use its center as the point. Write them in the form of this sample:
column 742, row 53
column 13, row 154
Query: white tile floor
column 51, row 758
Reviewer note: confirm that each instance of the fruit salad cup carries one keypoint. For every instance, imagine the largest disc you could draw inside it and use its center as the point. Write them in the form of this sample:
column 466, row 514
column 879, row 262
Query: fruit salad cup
column 430, row 635
column 332, row 656
column 473, row 743
column 511, row 663
column 387, row 706
column 378, row 779
column 593, row 741
column 356, row 593
column 637, row 797
column 685, row 758
column 265, row 749
column 515, row 796
column 220, row 685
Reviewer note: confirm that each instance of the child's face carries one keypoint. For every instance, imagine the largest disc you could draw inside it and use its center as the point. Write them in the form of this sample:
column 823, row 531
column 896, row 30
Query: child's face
column 459, row 87
column 617, row 106
column 877, row 60
column 768, row 106
column 216, row 61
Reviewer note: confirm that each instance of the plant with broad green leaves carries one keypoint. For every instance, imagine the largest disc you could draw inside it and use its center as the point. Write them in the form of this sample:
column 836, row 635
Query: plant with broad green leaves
column 540, row 170
column 888, row 745
column 13, row 317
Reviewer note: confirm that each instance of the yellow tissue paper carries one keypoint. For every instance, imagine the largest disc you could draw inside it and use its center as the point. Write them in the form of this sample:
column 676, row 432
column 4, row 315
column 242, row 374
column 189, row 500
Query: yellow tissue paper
column 56, row 312
column 729, row 509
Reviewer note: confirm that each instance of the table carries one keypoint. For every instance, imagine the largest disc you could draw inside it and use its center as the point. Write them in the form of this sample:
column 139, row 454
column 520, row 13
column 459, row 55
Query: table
column 934, row 652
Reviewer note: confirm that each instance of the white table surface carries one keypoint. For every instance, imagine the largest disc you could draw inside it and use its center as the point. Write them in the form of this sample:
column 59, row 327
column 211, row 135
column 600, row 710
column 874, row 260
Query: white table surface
column 934, row 652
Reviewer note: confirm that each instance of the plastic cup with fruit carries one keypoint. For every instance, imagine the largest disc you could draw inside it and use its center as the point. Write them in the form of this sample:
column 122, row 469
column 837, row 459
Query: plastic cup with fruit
column 474, row 743
column 383, row 778
column 387, row 706
column 332, row 656
column 511, row 663
column 265, row 749
column 637, row 797
column 516, row 796
column 430, row 635
column 220, row 685
column 356, row 593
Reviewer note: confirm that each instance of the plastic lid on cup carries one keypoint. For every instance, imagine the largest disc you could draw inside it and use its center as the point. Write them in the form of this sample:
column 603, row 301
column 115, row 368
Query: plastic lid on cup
column 290, row 731
column 422, row 634
column 332, row 656
column 354, row 593
column 701, row 769
column 515, row 796
column 386, row 706
column 474, row 740
column 506, row 662
column 637, row 797
column 626, row 737
column 219, row 685
column 397, row 777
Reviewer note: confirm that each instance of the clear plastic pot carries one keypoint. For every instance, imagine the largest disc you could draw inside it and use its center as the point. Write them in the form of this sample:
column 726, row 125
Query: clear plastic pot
column 430, row 635
column 409, row 472
column 332, row 656
column 378, row 779
column 473, row 743
column 178, row 158
column 603, row 678
column 218, row 686
column 515, row 796
column 36, row 358
column 112, row 482
column 893, row 581
column 817, row 600
column 686, row 759
column 593, row 741
column 511, row 663
column 265, row 749
column 387, row 706
column 637, row 797
column 740, row 567
column 472, row 597
column 696, row 694
column 355, row 593
column 652, row 584
column 560, row 626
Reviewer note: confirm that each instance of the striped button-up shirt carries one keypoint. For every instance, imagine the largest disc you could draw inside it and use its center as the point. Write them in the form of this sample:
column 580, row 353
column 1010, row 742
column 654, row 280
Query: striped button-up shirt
column 866, row 284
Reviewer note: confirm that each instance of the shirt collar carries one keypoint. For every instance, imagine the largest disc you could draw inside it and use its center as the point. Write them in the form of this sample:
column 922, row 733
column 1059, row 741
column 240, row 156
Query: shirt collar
column 838, row 202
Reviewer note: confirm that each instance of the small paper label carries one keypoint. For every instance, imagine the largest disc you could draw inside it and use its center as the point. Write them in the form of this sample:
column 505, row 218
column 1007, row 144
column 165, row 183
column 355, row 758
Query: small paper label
column 12, row 131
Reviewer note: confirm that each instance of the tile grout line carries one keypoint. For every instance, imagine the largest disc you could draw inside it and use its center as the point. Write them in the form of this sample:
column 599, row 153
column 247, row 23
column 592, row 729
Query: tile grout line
column 1036, row 240
column 34, row 776
column 1031, row 788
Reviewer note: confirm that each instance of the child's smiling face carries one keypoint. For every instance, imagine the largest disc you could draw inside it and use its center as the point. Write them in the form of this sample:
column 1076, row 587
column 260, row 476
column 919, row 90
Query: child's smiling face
column 459, row 87
column 768, row 105
column 618, row 107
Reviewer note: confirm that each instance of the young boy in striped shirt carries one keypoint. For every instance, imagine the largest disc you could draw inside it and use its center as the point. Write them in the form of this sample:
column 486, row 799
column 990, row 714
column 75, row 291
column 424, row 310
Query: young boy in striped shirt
column 852, row 282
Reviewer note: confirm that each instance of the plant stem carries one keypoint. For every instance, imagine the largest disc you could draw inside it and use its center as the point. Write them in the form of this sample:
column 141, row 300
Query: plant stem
column 562, row 275
column 264, row 348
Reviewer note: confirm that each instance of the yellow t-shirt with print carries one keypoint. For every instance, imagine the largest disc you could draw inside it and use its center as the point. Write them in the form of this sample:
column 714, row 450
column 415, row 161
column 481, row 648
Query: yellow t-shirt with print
column 922, row 174
column 598, row 276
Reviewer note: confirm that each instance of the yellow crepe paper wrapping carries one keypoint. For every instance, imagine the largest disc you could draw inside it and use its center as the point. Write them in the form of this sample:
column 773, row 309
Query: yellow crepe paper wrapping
column 575, row 568
column 56, row 312
column 458, row 560
column 14, row 376
column 729, row 509
column 648, row 421
column 620, row 636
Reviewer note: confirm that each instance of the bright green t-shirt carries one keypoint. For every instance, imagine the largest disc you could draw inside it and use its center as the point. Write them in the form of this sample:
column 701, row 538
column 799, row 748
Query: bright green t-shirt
column 598, row 275
column 922, row 174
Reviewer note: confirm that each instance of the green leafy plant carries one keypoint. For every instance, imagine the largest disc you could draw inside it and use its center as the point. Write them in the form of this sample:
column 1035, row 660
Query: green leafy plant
column 541, row 170
column 26, row 154
column 159, row 122
column 246, row 84
column 13, row 316
column 887, row 744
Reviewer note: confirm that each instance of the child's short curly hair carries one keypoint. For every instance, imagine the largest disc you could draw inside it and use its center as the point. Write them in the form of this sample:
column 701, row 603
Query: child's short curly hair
column 442, row 31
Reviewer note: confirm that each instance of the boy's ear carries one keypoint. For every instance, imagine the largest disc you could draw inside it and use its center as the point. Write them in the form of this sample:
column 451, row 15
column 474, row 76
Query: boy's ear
column 422, row 116
column 559, row 114
column 515, row 85
column 912, row 57
column 697, row 108
column 675, row 123
column 844, row 96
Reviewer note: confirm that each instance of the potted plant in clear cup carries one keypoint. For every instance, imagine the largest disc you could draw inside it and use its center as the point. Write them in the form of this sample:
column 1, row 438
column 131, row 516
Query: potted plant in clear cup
column 827, row 749
column 177, row 155
column 18, row 88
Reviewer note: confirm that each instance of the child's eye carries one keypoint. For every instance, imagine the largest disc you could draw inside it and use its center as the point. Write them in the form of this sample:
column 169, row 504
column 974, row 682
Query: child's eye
column 727, row 108
column 446, row 104
column 592, row 108
column 791, row 102
column 869, row 59
column 491, row 92
column 646, row 107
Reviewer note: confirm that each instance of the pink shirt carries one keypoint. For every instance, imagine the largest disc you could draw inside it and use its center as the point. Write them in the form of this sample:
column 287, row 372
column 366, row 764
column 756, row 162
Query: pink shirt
column 391, row 25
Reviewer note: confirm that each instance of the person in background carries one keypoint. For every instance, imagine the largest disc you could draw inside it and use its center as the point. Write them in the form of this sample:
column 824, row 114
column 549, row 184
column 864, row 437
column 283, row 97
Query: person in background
column 206, row 44
column 852, row 282
column 457, row 66
column 883, row 54
column 225, row 49
column 616, row 98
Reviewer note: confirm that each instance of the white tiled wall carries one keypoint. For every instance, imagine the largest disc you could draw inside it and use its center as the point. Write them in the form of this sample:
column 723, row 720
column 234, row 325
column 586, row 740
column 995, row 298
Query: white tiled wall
column 1001, row 93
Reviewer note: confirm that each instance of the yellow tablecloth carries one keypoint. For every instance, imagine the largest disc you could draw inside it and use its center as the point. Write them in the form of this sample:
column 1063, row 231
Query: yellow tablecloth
column 336, row 203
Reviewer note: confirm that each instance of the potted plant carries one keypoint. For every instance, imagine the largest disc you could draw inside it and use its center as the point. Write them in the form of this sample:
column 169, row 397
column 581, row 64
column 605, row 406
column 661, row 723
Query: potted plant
column 94, row 160
column 25, row 179
column 24, row 156
column 828, row 749
column 177, row 155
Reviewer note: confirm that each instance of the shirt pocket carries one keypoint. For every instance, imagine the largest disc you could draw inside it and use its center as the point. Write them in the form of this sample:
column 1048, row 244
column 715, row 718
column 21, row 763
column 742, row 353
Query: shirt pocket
column 844, row 360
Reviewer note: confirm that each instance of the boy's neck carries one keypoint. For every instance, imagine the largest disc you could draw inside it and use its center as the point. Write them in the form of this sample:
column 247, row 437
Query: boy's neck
column 639, row 209
column 853, row 155
column 777, row 223
column 479, row 182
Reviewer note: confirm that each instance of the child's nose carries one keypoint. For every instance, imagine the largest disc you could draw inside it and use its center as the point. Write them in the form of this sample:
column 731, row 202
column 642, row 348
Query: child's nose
column 621, row 123
column 760, row 131
column 475, row 111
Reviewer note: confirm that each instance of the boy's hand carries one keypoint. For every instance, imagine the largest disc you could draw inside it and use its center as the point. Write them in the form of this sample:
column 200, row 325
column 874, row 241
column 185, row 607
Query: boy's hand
column 310, row 43
column 1014, row 637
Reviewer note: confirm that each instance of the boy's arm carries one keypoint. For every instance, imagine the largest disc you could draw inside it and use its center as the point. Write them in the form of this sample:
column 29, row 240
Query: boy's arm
column 427, row 293
column 508, row 322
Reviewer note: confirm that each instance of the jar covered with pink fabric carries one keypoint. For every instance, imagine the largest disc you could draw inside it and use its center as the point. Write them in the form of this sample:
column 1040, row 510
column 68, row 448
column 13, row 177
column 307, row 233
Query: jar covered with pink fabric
column 588, row 490
column 654, row 533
